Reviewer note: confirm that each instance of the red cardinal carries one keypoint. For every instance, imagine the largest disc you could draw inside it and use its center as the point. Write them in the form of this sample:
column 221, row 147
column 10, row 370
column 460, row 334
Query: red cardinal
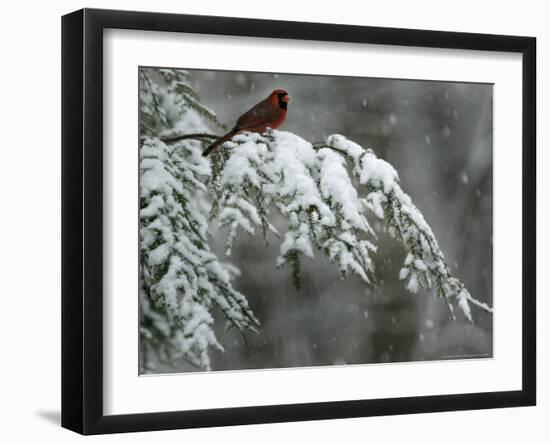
column 269, row 113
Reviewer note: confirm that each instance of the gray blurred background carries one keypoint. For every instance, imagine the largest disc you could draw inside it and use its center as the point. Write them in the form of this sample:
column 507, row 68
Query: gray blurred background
column 438, row 135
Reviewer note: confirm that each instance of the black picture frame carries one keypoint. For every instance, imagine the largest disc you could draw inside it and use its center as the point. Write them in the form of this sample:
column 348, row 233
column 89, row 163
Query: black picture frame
column 82, row 219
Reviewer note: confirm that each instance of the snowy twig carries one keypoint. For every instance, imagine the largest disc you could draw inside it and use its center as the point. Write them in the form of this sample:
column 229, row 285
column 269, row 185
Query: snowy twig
column 177, row 138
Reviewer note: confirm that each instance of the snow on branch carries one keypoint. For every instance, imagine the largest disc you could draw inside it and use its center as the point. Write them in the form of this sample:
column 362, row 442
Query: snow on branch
column 425, row 262
column 310, row 186
column 181, row 279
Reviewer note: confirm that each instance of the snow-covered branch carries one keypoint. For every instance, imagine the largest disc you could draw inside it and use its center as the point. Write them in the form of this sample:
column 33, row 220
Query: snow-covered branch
column 310, row 186
column 181, row 279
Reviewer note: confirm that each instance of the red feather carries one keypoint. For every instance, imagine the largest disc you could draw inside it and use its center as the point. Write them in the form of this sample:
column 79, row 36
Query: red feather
column 269, row 113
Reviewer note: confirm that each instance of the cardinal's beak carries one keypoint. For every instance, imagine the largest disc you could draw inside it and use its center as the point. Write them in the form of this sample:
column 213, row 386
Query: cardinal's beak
column 286, row 98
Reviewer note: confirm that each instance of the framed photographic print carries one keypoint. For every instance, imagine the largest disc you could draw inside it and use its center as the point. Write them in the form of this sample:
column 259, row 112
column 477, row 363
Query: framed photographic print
column 270, row 221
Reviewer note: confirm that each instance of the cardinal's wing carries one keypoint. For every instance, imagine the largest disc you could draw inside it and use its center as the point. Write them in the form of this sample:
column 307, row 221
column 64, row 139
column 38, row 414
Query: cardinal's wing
column 261, row 114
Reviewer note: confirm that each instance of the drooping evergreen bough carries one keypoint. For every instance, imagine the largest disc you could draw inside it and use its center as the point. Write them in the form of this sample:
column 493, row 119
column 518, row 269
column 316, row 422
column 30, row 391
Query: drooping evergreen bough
column 181, row 279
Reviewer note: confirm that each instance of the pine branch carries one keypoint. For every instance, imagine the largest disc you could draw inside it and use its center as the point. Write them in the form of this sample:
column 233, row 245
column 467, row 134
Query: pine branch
column 181, row 279
column 310, row 186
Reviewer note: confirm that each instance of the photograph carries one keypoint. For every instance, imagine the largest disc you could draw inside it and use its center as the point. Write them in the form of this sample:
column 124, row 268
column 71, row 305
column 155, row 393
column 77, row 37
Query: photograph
column 267, row 223
column 292, row 220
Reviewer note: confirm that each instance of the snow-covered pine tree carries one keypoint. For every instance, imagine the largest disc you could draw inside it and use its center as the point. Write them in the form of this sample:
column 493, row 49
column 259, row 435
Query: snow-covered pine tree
column 325, row 192
column 180, row 278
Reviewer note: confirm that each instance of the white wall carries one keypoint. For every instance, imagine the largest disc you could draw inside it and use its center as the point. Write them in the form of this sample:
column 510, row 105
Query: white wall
column 30, row 218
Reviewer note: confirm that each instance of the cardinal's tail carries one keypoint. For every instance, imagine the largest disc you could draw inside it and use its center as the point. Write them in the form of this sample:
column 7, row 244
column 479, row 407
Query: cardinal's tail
column 218, row 142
